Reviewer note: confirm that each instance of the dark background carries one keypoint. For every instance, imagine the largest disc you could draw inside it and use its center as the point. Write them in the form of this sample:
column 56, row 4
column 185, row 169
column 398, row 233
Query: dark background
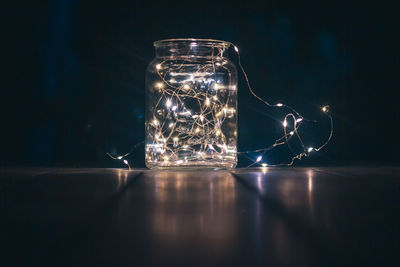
column 73, row 84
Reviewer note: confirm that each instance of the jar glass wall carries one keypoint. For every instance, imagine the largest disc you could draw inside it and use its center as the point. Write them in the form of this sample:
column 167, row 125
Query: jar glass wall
column 191, row 105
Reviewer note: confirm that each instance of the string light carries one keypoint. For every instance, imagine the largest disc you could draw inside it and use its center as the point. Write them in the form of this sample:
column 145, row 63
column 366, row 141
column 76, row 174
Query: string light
column 213, row 113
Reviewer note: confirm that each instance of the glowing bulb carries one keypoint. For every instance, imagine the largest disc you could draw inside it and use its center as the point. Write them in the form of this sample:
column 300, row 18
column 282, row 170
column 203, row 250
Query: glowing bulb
column 159, row 85
column 186, row 87
column 179, row 162
column 310, row 149
column 259, row 158
column 279, row 105
column 291, row 133
column 215, row 98
column 174, row 108
column 197, row 129
column 216, row 86
column 170, row 125
column 201, row 117
column 120, row 157
column 284, row 123
column 325, row 108
column 207, row 101
column 299, row 119
column 236, row 49
column 158, row 66
column 155, row 122
column 168, row 103
column 264, row 165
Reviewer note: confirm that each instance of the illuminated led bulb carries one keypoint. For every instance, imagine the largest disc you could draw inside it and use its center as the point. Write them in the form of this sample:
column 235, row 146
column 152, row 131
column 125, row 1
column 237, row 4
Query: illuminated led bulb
column 197, row 130
column 207, row 101
column 172, row 80
column 158, row 66
column 299, row 119
column 279, row 105
column 325, row 108
column 168, row 103
column 215, row 98
column 310, row 149
column 170, row 125
column 218, row 64
column 186, row 87
column 236, row 49
column 174, row 108
column 291, row 133
column 259, row 158
column 179, row 161
column 155, row 122
column 120, row 157
column 216, row 86
column 264, row 165
column 159, row 85
column 284, row 123
column 218, row 132
column 201, row 117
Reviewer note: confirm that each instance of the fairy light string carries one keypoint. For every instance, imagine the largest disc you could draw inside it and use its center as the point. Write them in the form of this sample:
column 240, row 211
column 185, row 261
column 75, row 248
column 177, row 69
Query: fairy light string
column 202, row 135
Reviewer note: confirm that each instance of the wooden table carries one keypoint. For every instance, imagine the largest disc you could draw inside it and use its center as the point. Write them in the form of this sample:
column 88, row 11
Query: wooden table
column 276, row 216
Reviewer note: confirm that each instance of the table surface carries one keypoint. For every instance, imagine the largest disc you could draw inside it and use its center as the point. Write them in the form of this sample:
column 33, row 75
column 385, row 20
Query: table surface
column 276, row 216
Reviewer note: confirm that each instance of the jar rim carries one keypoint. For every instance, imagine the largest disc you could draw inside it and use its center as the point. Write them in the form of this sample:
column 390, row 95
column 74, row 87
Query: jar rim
column 217, row 43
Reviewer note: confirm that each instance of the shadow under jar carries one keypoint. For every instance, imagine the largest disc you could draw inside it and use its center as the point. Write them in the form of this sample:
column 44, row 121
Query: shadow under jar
column 191, row 105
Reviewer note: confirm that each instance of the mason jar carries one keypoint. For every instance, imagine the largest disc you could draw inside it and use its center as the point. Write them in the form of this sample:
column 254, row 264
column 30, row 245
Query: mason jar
column 191, row 105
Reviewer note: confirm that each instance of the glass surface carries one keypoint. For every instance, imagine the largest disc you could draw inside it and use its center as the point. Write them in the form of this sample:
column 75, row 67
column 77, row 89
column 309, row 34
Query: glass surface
column 191, row 105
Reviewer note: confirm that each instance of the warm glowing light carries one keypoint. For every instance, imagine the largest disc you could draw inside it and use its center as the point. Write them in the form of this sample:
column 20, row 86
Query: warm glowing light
column 159, row 85
column 158, row 66
column 264, row 164
column 299, row 119
column 259, row 158
column 310, row 149
column 284, row 123
column 186, row 87
column 168, row 103
column 279, row 105
column 291, row 133
column 155, row 122
column 207, row 101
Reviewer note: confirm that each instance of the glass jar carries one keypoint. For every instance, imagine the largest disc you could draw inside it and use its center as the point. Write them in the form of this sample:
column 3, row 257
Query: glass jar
column 191, row 105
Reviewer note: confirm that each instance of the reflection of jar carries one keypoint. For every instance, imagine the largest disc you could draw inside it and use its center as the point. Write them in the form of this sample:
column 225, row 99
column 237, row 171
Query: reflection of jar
column 191, row 105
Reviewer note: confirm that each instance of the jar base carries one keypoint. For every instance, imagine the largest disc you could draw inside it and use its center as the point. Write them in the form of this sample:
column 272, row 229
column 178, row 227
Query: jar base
column 192, row 166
